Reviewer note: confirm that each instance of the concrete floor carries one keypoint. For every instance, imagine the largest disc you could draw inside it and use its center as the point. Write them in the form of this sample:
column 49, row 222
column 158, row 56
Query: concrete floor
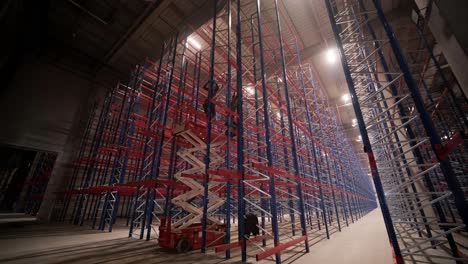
column 6, row 218
column 365, row 241
column 362, row 242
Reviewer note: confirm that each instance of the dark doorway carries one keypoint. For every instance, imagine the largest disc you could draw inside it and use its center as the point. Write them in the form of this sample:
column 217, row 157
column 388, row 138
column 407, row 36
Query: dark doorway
column 24, row 175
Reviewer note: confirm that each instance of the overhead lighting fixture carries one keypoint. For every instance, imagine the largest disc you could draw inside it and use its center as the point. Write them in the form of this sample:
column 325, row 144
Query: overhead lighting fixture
column 250, row 90
column 346, row 98
column 192, row 41
column 331, row 55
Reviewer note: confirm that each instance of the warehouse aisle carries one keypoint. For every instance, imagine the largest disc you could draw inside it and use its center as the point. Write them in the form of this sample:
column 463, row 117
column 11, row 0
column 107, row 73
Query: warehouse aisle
column 364, row 242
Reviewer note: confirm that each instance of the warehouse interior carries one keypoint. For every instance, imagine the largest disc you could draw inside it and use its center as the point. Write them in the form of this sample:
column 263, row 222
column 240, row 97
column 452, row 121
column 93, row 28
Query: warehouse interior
column 234, row 131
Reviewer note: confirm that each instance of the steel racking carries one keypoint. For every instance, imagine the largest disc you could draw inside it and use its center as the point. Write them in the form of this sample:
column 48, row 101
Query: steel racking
column 412, row 123
column 228, row 122
column 37, row 184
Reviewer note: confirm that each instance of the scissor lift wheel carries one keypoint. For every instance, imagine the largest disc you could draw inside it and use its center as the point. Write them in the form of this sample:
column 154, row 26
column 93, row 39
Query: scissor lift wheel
column 184, row 245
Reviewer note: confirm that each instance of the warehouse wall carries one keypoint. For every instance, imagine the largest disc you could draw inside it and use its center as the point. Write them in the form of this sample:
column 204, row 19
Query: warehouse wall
column 447, row 22
column 454, row 12
column 39, row 106
column 41, row 109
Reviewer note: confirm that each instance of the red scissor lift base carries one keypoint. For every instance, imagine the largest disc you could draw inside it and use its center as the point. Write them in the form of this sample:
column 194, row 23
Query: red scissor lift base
column 189, row 238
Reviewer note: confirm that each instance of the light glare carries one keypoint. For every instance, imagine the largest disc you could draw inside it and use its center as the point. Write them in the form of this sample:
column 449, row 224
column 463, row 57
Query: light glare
column 194, row 43
column 331, row 56
column 250, row 90
column 346, row 98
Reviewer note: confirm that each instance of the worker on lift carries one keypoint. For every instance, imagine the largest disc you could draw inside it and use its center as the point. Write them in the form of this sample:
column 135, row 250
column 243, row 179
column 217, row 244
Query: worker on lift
column 206, row 103
column 234, row 102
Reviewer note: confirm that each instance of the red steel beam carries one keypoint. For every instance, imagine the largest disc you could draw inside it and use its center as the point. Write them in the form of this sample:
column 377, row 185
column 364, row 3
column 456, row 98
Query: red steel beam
column 278, row 248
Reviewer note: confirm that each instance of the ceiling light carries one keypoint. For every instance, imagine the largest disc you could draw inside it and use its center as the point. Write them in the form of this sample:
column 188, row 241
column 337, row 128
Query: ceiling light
column 331, row 55
column 346, row 98
column 250, row 90
column 191, row 40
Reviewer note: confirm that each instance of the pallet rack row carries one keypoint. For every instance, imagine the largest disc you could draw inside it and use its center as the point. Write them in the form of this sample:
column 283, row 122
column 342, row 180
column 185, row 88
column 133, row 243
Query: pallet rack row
column 28, row 192
column 37, row 184
column 227, row 123
column 413, row 123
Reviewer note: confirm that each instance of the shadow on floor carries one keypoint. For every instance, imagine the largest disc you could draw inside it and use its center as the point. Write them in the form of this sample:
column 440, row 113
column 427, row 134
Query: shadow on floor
column 64, row 243
column 122, row 250
column 23, row 230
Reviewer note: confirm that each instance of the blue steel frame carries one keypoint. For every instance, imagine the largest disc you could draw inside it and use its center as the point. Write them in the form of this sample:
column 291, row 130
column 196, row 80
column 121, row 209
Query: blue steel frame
column 282, row 163
column 208, row 127
column 84, row 144
column 352, row 28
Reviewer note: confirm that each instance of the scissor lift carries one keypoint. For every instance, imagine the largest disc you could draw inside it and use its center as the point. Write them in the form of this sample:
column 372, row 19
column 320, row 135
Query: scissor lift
column 183, row 230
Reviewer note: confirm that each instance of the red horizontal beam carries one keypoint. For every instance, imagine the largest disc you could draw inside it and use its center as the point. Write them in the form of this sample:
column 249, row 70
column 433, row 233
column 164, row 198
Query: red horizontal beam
column 232, row 245
column 280, row 247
